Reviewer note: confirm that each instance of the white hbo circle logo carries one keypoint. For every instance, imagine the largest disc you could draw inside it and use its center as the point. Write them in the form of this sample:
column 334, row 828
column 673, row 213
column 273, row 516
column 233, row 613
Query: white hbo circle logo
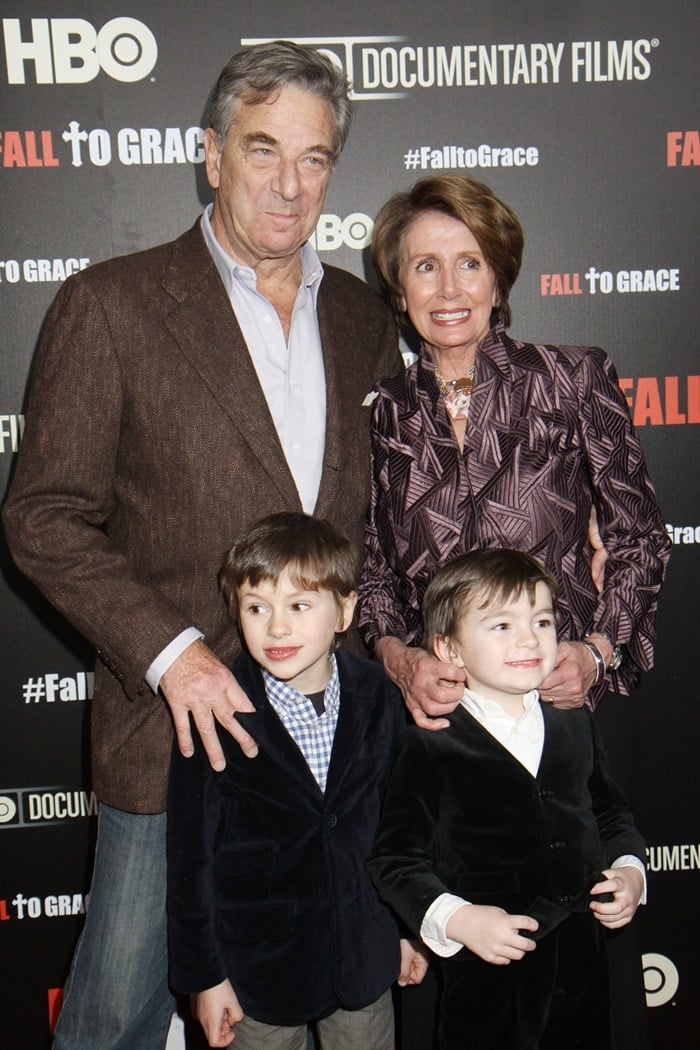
column 332, row 232
column 126, row 49
column 661, row 979
column 8, row 809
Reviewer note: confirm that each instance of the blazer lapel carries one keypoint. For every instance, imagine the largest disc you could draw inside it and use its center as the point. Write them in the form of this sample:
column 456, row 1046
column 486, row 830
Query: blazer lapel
column 471, row 727
column 267, row 730
column 336, row 363
column 355, row 707
column 560, row 743
column 204, row 327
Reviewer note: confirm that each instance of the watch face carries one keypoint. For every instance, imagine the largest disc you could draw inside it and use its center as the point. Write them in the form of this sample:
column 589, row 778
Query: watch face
column 615, row 659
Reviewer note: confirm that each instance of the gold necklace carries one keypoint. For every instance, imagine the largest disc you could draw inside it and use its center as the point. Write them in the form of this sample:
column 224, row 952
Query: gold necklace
column 456, row 393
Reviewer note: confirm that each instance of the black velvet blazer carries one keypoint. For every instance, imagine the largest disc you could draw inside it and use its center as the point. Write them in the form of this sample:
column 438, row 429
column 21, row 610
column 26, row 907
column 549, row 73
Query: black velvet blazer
column 267, row 879
column 463, row 816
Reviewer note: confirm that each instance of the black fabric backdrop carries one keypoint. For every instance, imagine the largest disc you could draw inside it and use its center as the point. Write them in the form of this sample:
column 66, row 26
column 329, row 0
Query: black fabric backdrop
column 583, row 116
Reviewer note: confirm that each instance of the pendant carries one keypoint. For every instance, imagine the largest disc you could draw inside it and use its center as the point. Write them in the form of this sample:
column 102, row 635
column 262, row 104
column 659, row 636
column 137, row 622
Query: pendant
column 457, row 399
column 456, row 393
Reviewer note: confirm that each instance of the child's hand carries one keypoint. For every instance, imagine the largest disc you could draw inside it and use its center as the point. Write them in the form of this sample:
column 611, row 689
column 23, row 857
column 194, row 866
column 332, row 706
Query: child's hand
column 217, row 1010
column 626, row 886
column 492, row 933
column 414, row 963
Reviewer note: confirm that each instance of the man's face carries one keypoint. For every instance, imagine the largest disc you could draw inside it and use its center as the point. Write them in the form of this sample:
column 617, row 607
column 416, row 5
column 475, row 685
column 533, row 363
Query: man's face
column 271, row 176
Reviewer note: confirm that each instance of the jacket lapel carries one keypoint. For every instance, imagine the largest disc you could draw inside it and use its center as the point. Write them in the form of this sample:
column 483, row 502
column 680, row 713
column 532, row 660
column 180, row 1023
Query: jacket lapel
column 560, row 743
column 204, row 327
column 337, row 421
column 353, row 715
column 267, row 730
column 472, row 728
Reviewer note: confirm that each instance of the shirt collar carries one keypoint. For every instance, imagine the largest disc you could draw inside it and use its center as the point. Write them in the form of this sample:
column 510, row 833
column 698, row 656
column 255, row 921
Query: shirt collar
column 230, row 270
column 291, row 700
column 482, row 708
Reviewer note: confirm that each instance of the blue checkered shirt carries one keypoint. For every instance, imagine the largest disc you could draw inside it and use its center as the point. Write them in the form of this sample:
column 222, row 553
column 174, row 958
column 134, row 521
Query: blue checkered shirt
column 313, row 734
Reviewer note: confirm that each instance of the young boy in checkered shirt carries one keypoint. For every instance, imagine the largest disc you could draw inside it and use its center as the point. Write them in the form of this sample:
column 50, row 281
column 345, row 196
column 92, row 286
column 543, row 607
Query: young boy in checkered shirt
column 273, row 921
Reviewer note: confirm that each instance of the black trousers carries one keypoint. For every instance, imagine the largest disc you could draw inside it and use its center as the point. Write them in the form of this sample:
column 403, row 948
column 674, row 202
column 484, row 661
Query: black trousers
column 556, row 996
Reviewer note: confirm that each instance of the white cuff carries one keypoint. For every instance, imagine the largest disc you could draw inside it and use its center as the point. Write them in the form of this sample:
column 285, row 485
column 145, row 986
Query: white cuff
column 434, row 925
column 629, row 861
column 167, row 657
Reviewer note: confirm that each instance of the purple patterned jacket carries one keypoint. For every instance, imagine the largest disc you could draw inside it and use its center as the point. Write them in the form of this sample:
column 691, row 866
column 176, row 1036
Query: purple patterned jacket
column 549, row 434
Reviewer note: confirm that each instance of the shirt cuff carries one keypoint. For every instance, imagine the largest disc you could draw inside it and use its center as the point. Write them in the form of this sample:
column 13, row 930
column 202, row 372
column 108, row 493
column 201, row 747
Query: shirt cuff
column 629, row 861
column 434, row 925
column 167, row 657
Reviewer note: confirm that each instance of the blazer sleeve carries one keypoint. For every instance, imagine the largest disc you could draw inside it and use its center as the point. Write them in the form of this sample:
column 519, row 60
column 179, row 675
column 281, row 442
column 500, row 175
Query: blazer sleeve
column 63, row 490
column 616, row 827
column 402, row 862
column 631, row 524
column 196, row 962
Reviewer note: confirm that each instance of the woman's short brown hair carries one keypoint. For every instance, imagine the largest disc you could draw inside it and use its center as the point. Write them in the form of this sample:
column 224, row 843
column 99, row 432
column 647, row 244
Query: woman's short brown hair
column 493, row 224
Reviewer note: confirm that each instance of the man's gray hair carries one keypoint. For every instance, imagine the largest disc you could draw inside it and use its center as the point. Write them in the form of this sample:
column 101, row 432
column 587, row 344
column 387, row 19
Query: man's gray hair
column 253, row 75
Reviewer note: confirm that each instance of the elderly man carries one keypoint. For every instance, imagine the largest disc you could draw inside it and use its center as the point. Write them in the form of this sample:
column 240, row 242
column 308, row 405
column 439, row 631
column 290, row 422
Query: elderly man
column 178, row 395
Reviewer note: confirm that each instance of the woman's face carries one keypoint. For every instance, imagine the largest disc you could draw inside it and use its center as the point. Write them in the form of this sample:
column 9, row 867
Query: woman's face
column 448, row 287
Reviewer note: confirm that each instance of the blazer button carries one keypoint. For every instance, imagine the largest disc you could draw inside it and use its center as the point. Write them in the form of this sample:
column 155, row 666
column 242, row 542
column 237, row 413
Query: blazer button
column 564, row 899
column 332, row 820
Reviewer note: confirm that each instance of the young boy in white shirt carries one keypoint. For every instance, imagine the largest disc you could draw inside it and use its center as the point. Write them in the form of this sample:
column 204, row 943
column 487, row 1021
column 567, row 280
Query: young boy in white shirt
column 504, row 842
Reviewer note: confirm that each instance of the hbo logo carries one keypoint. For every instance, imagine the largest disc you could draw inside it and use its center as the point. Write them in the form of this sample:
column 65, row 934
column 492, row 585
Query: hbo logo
column 332, row 232
column 72, row 51
column 661, row 979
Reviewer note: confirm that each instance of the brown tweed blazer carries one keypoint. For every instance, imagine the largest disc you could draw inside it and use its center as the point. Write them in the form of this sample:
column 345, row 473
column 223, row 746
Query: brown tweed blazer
column 148, row 448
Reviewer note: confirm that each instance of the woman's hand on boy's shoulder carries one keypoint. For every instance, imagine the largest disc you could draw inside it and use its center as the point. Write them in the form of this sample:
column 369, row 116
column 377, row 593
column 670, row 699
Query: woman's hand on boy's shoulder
column 431, row 688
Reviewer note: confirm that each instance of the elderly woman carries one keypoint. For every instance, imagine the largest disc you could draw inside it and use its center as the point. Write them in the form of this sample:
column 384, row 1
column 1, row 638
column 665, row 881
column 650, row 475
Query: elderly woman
column 487, row 441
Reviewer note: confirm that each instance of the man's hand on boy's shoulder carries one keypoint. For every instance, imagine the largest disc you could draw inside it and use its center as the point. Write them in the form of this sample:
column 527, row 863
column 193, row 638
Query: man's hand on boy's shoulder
column 414, row 963
column 217, row 1009
column 491, row 933
column 197, row 683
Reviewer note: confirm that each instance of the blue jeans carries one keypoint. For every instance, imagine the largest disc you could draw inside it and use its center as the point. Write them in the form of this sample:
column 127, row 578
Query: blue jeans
column 117, row 993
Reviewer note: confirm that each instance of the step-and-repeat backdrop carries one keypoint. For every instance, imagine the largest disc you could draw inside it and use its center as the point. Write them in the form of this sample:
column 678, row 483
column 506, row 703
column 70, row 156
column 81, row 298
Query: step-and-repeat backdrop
column 583, row 116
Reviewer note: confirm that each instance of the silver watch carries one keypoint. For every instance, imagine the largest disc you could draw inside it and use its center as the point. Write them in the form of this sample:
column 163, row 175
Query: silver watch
column 615, row 659
column 615, row 656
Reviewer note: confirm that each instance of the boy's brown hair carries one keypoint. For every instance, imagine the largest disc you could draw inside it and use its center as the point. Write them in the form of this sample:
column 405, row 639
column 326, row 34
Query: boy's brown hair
column 485, row 576
column 316, row 555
